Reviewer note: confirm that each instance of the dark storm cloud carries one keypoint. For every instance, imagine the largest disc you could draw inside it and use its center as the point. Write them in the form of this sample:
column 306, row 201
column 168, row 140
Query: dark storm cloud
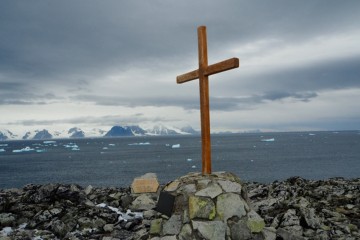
column 328, row 75
column 192, row 102
column 25, row 98
column 77, row 42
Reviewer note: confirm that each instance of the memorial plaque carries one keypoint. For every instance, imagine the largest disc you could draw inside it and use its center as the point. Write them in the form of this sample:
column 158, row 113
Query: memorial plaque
column 165, row 203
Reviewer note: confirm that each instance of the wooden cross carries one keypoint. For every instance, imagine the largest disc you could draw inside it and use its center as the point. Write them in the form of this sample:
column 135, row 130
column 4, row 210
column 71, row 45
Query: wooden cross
column 203, row 74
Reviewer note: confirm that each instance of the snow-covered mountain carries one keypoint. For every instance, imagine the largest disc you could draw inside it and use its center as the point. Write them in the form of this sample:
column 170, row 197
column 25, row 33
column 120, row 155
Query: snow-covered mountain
column 75, row 132
column 7, row 135
column 37, row 135
column 166, row 130
column 125, row 131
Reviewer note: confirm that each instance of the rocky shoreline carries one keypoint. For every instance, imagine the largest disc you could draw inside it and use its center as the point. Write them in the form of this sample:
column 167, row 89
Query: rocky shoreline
column 292, row 209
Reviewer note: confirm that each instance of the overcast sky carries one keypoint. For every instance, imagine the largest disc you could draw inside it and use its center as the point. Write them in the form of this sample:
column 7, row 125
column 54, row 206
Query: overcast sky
column 104, row 63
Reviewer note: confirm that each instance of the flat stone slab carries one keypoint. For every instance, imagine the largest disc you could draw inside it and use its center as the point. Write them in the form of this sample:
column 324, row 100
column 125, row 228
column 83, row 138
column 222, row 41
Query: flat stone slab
column 147, row 183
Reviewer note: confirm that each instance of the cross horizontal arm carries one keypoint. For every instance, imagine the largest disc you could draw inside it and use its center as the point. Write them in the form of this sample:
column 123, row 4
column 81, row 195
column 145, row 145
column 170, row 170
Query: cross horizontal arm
column 222, row 66
column 211, row 69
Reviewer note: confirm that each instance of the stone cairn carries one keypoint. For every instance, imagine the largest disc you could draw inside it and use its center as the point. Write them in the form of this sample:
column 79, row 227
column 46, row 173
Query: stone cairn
column 214, row 206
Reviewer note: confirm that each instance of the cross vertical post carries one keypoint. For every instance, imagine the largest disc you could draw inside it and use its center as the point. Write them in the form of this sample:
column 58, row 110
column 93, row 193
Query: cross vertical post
column 204, row 102
column 203, row 73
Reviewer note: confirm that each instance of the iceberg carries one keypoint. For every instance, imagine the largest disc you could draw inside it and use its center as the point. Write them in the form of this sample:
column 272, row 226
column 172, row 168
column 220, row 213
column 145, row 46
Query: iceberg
column 268, row 140
column 189, row 159
column 193, row 166
column 2, row 150
column 112, row 144
column 4, row 145
column 73, row 146
column 40, row 150
column 105, row 148
column 26, row 149
column 49, row 142
column 139, row 144
column 175, row 146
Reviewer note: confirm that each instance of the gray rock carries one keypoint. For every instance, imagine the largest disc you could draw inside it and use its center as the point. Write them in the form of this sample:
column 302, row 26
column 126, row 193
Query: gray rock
column 188, row 189
column 311, row 219
column 143, row 202
column 186, row 232
column 239, row 230
column 229, row 205
column 212, row 190
column 85, row 222
column 88, row 190
column 210, row 230
column 172, row 226
column 269, row 233
column 7, row 219
column 229, row 186
column 60, row 228
column 286, row 235
column 290, row 218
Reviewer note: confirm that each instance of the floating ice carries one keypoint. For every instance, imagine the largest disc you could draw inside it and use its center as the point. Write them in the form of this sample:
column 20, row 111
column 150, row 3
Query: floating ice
column 26, row 149
column 4, row 145
column 2, row 150
column 312, row 134
column 71, row 145
column 189, row 160
column 175, row 146
column 139, row 144
column 40, row 150
column 268, row 140
column 105, row 148
column 193, row 166
column 112, row 144
column 49, row 142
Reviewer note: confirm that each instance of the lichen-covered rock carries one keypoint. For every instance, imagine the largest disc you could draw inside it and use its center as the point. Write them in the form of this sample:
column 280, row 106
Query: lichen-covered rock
column 201, row 207
column 156, row 226
column 255, row 223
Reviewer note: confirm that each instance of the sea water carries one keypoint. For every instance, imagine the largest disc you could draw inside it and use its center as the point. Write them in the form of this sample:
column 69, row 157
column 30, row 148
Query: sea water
column 262, row 157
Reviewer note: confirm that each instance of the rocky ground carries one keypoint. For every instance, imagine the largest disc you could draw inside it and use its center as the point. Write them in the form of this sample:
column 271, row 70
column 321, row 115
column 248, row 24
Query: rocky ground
column 292, row 209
